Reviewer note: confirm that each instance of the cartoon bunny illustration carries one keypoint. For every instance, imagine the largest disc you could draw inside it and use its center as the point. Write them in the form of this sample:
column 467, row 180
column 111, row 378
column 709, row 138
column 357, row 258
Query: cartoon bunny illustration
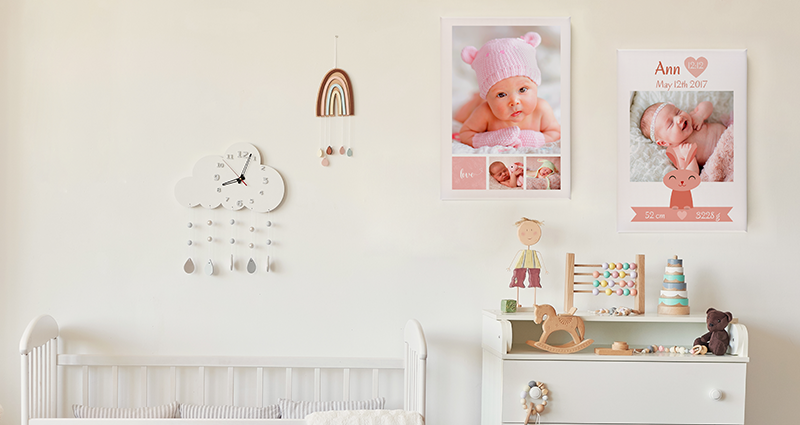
column 517, row 171
column 682, row 181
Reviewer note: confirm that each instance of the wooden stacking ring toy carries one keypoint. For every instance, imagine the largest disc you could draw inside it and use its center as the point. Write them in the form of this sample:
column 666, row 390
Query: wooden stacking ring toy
column 534, row 391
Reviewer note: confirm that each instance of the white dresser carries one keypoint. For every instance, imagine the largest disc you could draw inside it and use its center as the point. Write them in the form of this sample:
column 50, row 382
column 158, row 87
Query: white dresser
column 585, row 388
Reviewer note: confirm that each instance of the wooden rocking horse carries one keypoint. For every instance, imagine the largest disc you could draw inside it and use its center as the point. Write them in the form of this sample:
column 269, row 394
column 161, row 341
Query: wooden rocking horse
column 546, row 315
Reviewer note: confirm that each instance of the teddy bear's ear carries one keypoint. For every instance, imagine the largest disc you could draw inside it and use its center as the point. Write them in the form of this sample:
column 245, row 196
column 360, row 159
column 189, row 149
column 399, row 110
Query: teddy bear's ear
column 710, row 310
column 532, row 38
column 729, row 315
column 468, row 54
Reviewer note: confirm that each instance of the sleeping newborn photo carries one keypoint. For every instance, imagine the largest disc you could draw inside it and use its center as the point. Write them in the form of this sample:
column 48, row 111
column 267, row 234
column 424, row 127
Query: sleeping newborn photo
column 672, row 130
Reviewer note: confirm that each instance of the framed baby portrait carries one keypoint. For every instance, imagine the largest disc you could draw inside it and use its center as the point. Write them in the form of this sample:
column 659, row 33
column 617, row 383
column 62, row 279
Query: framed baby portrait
column 505, row 108
column 682, row 144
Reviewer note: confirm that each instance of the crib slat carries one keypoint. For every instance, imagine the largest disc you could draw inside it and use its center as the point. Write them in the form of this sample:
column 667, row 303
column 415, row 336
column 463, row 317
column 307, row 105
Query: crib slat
column 260, row 386
column 346, row 380
column 173, row 378
column 317, row 384
column 53, row 344
column 85, row 386
column 144, row 385
column 288, row 395
column 375, row 383
column 36, row 387
column 230, row 386
column 203, row 384
column 115, row 385
column 46, row 381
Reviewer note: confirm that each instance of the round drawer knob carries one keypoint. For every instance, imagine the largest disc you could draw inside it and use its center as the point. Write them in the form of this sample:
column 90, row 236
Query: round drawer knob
column 715, row 394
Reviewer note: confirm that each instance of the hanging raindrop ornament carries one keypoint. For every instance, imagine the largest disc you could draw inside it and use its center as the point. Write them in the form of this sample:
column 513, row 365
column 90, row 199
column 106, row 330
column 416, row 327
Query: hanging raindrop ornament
column 335, row 101
column 188, row 266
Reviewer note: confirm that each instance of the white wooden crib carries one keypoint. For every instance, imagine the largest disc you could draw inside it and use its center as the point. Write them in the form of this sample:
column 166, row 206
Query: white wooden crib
column 53, row 382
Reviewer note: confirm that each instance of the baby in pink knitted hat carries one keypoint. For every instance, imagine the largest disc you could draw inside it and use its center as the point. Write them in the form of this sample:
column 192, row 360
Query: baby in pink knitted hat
column 510, row 113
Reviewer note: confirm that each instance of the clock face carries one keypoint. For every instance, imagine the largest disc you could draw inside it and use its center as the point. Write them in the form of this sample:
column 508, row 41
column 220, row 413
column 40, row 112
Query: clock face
column 235, row 180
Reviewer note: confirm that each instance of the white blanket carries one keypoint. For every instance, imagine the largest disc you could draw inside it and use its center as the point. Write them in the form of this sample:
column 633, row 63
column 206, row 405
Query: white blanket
column 365, row 417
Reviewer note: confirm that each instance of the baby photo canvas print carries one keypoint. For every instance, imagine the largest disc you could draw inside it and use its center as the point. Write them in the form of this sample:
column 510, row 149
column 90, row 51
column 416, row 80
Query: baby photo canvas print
column 682, row 143
column 506, row 94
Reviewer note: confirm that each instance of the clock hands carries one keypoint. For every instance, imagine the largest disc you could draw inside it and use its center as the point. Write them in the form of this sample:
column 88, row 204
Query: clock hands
column 246, row 163
column 239, row 179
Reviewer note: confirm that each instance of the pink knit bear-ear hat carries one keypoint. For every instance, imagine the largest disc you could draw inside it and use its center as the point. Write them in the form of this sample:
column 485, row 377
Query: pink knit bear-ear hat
column 502, row 58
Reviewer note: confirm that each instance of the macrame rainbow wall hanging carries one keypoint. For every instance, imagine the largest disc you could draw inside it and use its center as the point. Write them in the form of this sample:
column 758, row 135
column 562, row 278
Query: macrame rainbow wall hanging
column 335, row 99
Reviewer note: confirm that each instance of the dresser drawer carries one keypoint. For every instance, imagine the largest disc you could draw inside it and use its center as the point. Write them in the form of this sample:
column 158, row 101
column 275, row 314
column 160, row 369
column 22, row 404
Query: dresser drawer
column 600, row 392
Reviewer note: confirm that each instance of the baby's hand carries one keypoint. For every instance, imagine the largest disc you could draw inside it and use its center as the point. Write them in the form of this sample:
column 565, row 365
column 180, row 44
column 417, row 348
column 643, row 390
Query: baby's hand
column 513, row 140
column 701, row 113
column 696, row 121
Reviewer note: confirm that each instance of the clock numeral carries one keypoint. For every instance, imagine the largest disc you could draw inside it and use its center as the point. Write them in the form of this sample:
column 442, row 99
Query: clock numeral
column 239, row 203
column 220, row 165
column 263, row 168
column 243, row 154
column 266, row 180
column 227, row 199
column 219, row 190
column 252, row 201
column 216, row 177
column 261, row 193
column 230, row 156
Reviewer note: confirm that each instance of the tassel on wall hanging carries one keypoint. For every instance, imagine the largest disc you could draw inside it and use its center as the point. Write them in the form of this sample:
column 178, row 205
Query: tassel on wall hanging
column 335, row 99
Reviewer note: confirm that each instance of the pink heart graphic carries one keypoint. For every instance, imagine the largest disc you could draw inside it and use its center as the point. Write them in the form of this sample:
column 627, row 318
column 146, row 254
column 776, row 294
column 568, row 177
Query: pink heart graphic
column 682, row 214
column 696, row 66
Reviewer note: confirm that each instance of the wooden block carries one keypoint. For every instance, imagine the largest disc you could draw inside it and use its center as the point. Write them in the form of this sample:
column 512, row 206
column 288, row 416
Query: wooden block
column 612, row 352
column 508, row 306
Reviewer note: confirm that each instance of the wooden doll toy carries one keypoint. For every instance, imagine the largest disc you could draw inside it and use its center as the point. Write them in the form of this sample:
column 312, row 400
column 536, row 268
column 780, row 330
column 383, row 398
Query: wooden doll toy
column 551, row 322
column 527, row 261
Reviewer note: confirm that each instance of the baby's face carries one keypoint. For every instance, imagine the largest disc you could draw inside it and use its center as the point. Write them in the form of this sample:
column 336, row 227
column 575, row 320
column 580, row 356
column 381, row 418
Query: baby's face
column 513, row 99
column 545, row 172
column 673, row 126
column 499, row 172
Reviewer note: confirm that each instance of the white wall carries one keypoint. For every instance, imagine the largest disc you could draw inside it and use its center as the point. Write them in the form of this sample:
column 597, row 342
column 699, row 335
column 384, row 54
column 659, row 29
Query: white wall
column 105, row 104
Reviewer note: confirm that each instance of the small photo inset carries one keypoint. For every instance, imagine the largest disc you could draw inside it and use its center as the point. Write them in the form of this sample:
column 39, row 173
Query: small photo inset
column 543, row 173
column 506, row 173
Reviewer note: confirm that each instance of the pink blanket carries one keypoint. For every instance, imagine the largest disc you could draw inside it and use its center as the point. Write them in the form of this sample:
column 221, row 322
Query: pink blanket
column 719, row 167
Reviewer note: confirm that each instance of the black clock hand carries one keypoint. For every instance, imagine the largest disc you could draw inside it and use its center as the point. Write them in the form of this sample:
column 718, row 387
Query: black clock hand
column 244, row 170
column 236, row 180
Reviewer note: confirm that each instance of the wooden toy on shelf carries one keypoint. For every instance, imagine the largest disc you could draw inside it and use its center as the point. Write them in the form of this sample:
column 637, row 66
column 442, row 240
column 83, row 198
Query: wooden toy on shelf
column 551, row 322
column 527, row 261
column 608, row 278
column 673, row 299
column 618, row 348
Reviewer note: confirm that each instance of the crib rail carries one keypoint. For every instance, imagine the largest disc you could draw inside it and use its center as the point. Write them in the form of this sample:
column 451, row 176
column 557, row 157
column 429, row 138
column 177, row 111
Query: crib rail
column 41, row 365
column 202, row 365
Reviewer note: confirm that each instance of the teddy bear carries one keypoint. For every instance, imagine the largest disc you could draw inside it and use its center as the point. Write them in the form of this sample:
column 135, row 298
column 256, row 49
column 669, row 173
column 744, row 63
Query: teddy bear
column 716, row 339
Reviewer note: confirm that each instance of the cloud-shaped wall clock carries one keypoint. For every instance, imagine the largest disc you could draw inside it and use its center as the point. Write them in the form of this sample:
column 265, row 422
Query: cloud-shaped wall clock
column 235, row 180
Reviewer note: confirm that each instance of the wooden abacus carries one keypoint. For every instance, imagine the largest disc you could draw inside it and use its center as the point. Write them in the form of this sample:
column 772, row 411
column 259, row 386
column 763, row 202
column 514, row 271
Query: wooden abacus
column 569, row 286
